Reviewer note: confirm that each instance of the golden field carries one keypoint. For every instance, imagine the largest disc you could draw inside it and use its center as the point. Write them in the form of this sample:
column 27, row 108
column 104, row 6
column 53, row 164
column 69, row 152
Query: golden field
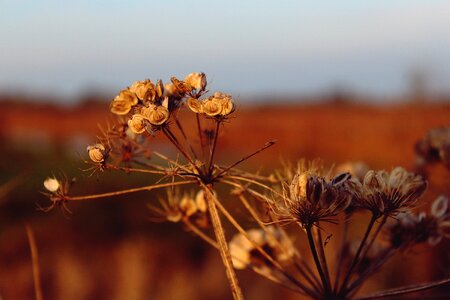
column 107, row 249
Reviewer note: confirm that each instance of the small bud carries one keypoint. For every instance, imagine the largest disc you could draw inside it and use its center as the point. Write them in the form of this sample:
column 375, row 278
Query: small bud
column 97, row 153
column 52, row 185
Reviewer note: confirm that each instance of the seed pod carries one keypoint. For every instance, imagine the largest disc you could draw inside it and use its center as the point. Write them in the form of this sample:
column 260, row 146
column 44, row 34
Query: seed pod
column 97, row 153
column 137, row 124
column 52, row 185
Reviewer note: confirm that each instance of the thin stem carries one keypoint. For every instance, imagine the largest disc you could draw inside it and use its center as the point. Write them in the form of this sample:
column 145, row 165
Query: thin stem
column 213, row 148
column 358, row 253
column 256, row 183
column 121, row 192
column 200, row 133
column 323, row 261
column 200, row 233
column 174, row 141
column 312, row 246
column 374, row 236
column 341, row 253
column 406, row 290
column 35, row 262
column 222, row 242
column 127, row 169
column 267, row 145
column 180, row 127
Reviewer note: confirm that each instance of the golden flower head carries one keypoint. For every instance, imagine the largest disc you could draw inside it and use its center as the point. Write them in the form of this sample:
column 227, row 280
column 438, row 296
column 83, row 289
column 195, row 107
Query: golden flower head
column 52, row 184
column 195, row 105
column 137, row 124
column 196, row 81
column 155, row 114
column 144, row 90
column 212, row 107
column 122, row 103
column 389, row 193
column 97, row 153
column 226, row 103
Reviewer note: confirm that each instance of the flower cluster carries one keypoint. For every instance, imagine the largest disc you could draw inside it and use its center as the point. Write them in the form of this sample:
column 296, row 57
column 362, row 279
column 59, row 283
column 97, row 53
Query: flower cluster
column 410, row 228
column 386, row 193
column 434, row 147
column 311, row 198
column 218, row 105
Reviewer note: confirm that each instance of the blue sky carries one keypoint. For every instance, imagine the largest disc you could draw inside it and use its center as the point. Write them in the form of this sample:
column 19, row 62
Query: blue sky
column 245, row 47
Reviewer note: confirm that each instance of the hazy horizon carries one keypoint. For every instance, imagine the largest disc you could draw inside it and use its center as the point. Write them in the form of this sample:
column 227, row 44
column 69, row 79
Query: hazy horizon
column 247, row 48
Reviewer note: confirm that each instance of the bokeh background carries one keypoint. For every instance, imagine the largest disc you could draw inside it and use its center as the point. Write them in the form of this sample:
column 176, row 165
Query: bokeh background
column 342, row 81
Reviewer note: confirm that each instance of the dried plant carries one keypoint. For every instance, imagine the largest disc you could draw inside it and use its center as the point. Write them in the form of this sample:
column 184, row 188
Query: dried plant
column 307, row 195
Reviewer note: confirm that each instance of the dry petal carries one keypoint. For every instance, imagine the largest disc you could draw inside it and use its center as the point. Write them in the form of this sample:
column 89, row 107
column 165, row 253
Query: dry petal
column 212, row 107
column 144, row 90
column 195, row 105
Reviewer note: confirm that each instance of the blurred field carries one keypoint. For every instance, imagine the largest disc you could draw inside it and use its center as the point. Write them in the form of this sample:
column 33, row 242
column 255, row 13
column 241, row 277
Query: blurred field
column 108, row 250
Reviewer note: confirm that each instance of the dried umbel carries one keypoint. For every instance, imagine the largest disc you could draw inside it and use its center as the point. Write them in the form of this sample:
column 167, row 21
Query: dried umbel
column 409, row 228
column 390, row 193
column 434, row 147
column 156, row 114
column 97, row 153
column 137, row 123
column 312, row 198
column 218, row 105
column 244, row 252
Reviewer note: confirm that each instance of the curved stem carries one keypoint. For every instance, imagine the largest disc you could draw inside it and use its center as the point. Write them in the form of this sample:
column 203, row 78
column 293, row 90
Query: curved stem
column 35, row 262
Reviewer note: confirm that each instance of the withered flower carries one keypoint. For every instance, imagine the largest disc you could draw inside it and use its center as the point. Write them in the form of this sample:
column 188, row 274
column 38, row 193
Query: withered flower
column 137, row 124
column 312, row 198
column 226, row 102
column 409, row 229
column 244, row 252
column 155, row 114
column 144, row 90
column 389, row 193
column 97, row 153
column 212, row 107
column 195, row 105
column 122, row 103
column 196, row 80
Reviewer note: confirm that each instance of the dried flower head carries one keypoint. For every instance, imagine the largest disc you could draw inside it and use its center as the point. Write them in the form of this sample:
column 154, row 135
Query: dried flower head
column 244, row 252
column 97, row 153
column 390, row 193
column 137, row 124
column 196, row 81
column 435, row 146
column 122, row 103
column 195, row 105
column 144, row 90
column 52, row 184
column 155, row 114
column 409, row 229
column 312, row 198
